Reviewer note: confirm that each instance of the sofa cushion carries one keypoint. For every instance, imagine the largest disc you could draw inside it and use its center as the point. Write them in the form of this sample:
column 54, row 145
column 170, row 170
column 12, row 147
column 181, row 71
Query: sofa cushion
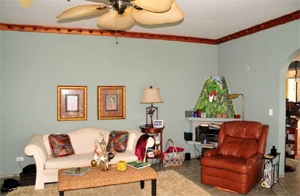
column 132, row 140
column 124, row 156
column 238, row 147
column 230, row 163
column 83, row 160
column 76, row 160
column 60, row 145
column 83, row 140
column 119, row 140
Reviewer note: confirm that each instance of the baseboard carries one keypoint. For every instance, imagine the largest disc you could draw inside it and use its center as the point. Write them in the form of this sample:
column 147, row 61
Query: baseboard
column 10, row 176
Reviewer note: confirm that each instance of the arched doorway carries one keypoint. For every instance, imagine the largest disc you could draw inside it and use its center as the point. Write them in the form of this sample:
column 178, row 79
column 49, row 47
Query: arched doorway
column 282, row 106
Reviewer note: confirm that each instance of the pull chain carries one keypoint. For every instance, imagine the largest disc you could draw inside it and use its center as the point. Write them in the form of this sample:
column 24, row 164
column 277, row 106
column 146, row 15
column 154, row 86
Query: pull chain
column 117, row 30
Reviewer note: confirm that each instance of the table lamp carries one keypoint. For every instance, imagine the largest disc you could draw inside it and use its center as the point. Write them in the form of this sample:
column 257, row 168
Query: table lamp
column 236, row 95
column 151, row 95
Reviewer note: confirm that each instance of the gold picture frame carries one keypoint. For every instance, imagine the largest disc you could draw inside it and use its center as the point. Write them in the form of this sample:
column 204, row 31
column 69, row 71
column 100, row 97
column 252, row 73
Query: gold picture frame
column 71, row 103
column 111, row 102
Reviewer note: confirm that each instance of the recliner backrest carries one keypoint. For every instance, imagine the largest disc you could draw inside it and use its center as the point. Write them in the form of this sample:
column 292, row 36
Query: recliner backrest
column 240, row 138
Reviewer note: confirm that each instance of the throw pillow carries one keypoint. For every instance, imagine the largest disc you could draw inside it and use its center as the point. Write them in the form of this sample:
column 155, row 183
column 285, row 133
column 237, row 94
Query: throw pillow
column 118, row 141
column 60, row 145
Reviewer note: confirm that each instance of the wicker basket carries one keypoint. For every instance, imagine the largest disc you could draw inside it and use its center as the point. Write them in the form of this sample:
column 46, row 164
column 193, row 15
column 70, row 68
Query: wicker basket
column 173, row 158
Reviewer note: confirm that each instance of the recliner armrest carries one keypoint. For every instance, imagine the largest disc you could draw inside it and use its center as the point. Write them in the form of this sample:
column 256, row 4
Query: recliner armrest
column 253, row 159
column 211, row 153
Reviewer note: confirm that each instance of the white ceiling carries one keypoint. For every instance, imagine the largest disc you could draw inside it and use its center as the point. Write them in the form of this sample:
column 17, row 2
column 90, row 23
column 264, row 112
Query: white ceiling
column 203, row 18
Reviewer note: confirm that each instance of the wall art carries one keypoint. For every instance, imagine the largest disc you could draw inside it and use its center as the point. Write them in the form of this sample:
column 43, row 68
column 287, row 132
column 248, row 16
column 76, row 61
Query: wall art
column 111, row 102
column 71, row 103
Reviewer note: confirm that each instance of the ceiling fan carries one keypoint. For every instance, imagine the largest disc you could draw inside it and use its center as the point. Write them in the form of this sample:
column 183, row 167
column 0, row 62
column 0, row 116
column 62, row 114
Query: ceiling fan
column 123, row 14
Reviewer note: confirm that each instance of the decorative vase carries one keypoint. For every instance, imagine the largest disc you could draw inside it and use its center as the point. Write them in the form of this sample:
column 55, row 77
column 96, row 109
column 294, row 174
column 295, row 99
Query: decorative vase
column 94, row 163
column 110, row 156
column 273, row 151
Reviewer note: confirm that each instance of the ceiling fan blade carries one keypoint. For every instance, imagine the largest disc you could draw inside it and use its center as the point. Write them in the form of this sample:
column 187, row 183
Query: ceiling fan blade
column 115, row 21
column 154, row 5
column 149, row 18
column 83, row 11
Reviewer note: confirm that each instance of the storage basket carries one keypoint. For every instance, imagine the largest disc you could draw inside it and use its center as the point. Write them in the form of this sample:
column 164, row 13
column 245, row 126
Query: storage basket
column 173, row 158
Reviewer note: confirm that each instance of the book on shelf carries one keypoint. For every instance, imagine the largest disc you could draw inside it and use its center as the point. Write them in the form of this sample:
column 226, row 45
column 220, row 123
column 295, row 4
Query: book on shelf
column 214, row 126
column 76, row 171
column 138, row 164
column 211, row 145
column 149, row 150
column 150, row 154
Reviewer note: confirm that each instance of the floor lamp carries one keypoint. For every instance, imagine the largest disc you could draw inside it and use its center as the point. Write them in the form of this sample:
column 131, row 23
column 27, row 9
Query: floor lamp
column 236, row 95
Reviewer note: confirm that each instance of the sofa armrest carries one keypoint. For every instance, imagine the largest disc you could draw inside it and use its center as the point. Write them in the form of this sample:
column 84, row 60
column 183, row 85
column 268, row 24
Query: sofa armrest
column 253, row 159
column 150, row 143
column 211, row 153
column 36, row 148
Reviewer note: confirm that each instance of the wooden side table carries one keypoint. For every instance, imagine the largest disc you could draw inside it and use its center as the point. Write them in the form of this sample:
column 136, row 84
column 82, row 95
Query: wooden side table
column 159, row 131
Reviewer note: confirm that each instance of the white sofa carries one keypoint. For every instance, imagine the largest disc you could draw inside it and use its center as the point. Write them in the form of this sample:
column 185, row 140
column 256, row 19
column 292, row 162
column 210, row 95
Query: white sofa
column 83, row 144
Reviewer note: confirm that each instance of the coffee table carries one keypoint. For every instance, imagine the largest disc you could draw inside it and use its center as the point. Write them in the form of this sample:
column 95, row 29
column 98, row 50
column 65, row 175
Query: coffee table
column 97, row 178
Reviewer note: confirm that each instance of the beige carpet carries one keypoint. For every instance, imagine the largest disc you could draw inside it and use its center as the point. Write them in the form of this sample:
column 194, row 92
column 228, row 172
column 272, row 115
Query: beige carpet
column 169, row 183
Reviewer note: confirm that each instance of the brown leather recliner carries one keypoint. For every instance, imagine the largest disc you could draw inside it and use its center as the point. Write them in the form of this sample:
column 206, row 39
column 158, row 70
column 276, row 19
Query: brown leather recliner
column 237, row 162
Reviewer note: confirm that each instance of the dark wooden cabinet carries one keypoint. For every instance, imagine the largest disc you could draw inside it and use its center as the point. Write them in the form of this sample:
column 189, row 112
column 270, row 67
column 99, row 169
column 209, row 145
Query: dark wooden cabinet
column 154, row 131
column 292, row 140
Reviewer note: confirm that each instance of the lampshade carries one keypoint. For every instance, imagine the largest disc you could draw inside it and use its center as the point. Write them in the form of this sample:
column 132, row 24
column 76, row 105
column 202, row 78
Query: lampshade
column 233, row 96
column 151, row 95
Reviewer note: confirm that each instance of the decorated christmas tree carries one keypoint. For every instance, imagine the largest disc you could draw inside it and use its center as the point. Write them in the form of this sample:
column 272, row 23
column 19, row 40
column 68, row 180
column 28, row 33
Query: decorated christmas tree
column 213, row 98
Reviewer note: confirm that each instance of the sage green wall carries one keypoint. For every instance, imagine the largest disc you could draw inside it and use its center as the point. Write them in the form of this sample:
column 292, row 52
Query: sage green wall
column 33, row 64
column 256, row 66
column 0, row 101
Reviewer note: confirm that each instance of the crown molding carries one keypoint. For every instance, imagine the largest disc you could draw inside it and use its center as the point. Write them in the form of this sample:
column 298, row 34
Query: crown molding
column 98, row 32
column 260, row 27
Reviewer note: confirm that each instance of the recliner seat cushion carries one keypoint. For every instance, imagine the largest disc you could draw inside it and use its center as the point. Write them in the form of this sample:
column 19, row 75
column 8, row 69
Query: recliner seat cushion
column 230, row 163
column 224, row 174
column 238, row 147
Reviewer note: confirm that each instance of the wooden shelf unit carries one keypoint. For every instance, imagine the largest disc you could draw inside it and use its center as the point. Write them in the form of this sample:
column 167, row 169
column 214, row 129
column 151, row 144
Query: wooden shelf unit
column 292, row 128
column 159, row 132
column 195, row 122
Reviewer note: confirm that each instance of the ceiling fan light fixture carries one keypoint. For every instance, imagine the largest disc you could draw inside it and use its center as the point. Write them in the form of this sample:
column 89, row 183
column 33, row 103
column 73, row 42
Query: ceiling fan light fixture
column 122, row 14
column 83, row 11
column 115, row 21
column 149, row 18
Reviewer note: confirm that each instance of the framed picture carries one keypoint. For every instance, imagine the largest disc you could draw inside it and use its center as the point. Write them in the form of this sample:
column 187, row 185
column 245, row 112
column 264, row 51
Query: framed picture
column 158, row 123
column 71, row 103
column 111, row 102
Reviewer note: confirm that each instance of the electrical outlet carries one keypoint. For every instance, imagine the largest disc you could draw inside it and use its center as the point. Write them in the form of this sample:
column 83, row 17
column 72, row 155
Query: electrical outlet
column 20, row 159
